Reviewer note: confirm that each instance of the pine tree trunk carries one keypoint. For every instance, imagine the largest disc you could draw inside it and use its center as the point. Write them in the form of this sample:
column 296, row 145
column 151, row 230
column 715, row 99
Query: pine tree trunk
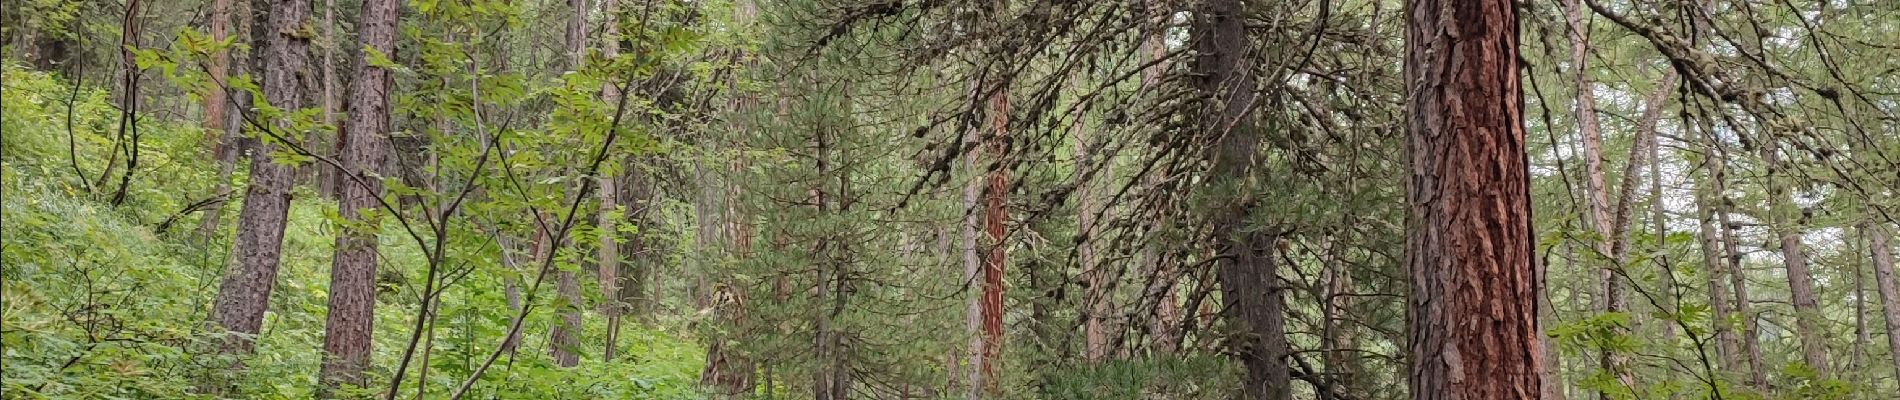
column 1095, row 300
column 728, row 373
column 1807, row 309
column 1738, row 277
column 1713, row 260
column 218, row 67
column 245, row 293
column 1597, row 190
column 227, row 134
column 1862, row 337
column 637, row 199
column 565, row 339
column 346, row 340
column 972, row 276
column 565, row 342
column 1653, row 107
column 608, row 256
column 228, row 148
column 995, row 220
column 325, row 178
column 1879, row 239
column 1552, row 366
column 1167, row 314
column 1340, row 338
column 1247, row 269
column 1473, row 310
column 824, row 343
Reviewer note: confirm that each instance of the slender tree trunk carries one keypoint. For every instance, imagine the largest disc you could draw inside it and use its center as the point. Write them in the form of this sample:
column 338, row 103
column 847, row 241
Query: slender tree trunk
column 1552, row 365
column 130, row 76
column 1714, row 260
column 728, row 373
column 1808, row 318
column 608, row 257
column 1597, row 191
column 1738, row 276
column 1247, row 269
column 565, row 338
column 608, row 260
column 1879, row 242
column 1653, row 107
column 246, row 290
column 636, row 199
column 824, row 348
column 511, row 286
column 1340, row 338
column 972, row 275
column 227, row 149
column 325, row 178
column 1473, row 310
column 995, row 220
column 215, row 97
column 1095, row 300
column 830, row 383
column 1167, row 314
column 352, row 316
column 565, row 342
column 562, row 340
column 1862, row 337
column 223, row 123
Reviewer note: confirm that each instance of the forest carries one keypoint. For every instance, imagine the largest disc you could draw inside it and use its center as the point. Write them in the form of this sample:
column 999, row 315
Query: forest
column 933, row 199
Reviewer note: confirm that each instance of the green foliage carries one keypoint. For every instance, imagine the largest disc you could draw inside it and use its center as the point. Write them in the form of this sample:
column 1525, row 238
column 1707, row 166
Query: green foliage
column 100, row 305
column 80, row 317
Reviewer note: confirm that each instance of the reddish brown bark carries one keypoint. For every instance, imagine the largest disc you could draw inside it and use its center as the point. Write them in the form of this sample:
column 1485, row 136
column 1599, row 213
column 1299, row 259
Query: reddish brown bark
column 352, row 316
column 228, row 142
column 245, row 292
column 220, row 21
column 1473, row 310
column 995, row 218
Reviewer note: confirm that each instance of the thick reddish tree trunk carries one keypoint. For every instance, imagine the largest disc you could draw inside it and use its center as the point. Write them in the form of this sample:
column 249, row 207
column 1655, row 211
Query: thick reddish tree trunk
column 245, row 292
column 346, row 338
column 1473, row 309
